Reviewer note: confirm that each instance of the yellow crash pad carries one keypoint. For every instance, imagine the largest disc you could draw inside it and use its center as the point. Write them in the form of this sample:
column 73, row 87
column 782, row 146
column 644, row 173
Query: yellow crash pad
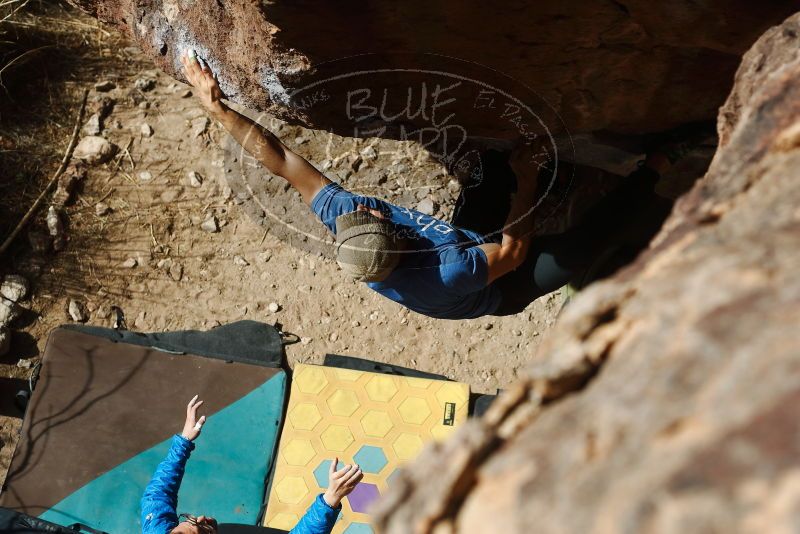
column 375, row 420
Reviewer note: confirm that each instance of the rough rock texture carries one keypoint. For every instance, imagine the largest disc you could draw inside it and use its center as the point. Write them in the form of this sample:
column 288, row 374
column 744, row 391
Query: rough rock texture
column 665, row 399
column 618, row 65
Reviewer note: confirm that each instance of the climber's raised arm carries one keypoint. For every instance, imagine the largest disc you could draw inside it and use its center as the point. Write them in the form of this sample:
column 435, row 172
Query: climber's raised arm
column 259, row 142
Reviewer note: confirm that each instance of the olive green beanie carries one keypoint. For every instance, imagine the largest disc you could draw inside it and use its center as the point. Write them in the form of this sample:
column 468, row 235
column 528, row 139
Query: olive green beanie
column 366, row 246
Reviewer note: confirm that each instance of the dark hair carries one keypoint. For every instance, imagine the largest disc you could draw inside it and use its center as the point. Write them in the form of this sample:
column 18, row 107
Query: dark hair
column 192, row 520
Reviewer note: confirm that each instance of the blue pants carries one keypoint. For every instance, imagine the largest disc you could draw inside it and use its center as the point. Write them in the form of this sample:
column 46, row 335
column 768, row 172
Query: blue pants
column 553, row 260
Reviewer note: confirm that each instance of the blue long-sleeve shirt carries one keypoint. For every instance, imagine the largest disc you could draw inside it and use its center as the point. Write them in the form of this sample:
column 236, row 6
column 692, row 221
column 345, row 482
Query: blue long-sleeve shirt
column 160, row 499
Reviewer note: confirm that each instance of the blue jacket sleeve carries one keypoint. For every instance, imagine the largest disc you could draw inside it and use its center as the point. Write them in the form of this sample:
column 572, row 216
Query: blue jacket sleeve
column 318, row 519
column 160, row 498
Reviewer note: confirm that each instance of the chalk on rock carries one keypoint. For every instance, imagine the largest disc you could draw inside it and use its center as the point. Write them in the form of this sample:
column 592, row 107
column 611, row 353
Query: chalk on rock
column 14, row 287
column 77, row 311
column 195, row 179
column 94, row 150
column 210, row 225
column 146, row 129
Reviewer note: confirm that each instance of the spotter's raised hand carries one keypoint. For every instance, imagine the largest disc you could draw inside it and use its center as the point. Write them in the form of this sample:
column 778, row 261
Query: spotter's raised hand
column 193, row 424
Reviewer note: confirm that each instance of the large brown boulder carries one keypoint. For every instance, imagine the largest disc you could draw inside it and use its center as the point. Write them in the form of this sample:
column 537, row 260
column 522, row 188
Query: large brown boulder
column 585, row 65
column 665, row 399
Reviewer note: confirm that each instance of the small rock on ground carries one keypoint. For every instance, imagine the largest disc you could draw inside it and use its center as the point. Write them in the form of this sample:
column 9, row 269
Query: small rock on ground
column 146, row 129
column 195, row 179
column 145, row 176
column 427, row 206
column 274, row 307
column 210, row 225
column 92, row 126
column 130, row 263
column 14, row 287
column 104, row 86
column 94, row 150
column 101, row 208
column 176, row 272
column 144, row 84
column 238, row 260
column 26, row 363
column 77, row 311
column 200, row 125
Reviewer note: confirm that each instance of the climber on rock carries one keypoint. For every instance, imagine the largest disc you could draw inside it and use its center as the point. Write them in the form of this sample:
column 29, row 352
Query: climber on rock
column 484, row 262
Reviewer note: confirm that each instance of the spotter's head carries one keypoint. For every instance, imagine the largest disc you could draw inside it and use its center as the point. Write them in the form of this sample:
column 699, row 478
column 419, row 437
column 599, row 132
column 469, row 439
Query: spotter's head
column 367, row 247
column 190, row 524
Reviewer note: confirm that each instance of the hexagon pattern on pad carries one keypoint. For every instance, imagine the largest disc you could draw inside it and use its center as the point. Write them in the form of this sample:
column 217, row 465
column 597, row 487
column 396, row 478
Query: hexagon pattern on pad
column 377, row 421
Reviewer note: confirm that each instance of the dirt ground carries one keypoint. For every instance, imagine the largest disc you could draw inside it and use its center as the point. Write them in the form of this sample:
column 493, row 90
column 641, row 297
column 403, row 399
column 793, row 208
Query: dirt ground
column 149, row 255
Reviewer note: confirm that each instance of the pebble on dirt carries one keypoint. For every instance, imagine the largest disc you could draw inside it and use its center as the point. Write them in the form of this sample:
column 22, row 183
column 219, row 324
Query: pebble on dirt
column 92, row 126
column 238, row 260
column 274, row 307
column 369, row 152
column 101, row 208
column 200, row 125
column 25, row 363
column 210, row 225
column 56, row 228
column 77, row 311
column 130, row 263
column 176, row 271
column 104, row 86
column 195, row 179
column 94, row 150
column 146, row 129
column 145, row 176
column 14, row 287
column 144, row 84
column 427, row 206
